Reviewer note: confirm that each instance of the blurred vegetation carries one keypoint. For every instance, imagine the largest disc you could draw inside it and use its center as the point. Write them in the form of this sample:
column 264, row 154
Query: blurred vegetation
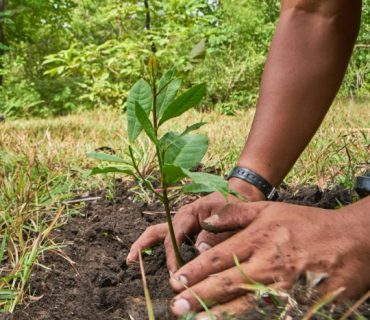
column 62, row 56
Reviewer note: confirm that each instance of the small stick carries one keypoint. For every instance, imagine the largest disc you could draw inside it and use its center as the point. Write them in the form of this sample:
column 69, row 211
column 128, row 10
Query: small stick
column 81, row 200
column 154, row 213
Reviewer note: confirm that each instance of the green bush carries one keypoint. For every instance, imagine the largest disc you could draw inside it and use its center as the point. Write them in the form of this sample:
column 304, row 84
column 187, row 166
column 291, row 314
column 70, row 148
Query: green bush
column 87, row 55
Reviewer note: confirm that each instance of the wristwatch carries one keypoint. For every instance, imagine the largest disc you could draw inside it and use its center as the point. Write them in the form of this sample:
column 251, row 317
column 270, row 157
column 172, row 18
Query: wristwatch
column 255, row 179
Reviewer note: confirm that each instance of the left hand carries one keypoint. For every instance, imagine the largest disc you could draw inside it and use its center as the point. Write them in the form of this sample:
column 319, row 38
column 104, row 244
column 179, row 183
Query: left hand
column 277, row 243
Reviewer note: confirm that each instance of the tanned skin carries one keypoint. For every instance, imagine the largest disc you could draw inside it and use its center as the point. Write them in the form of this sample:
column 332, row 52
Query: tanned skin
column 277, row 242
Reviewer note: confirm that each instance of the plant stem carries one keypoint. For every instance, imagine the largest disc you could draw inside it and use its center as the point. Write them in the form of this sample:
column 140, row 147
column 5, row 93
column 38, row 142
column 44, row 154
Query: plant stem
column 164, row 198
column 166, row 203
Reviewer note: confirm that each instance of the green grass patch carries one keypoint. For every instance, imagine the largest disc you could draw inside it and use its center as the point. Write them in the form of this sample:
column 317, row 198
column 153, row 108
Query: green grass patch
column 43, row 163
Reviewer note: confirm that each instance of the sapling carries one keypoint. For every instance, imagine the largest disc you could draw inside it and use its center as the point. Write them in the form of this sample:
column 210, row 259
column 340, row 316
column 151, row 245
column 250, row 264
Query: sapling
column 151, row 103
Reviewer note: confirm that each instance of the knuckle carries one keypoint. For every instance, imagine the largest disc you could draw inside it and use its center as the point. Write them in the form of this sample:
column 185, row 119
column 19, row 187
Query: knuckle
column 167, row 242
column 151, row 229
column 185, row 210
column 227, row 285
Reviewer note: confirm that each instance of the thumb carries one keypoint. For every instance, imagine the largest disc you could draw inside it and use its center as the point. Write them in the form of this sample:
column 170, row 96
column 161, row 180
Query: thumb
column 234, row 216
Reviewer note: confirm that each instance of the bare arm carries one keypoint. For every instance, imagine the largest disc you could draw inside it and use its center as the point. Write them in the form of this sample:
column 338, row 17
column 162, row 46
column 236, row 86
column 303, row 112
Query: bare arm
column 304, row 69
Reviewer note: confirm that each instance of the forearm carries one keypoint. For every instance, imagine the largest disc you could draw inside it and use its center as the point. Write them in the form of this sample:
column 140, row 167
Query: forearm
column 305, row 66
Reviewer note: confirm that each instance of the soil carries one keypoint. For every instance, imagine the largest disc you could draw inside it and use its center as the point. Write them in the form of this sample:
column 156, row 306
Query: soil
column 94, row 283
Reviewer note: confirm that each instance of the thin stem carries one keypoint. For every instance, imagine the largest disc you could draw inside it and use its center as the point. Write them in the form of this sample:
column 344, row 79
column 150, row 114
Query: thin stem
column 163, row 87
column 165, row 199
column 179, row 260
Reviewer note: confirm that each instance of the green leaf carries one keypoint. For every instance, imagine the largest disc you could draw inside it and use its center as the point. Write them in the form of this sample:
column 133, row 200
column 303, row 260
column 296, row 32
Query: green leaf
column 4, row 47
column 167, row 96
column 206, row 182
column 173, row 173
column 167, row 90
column 193, row 127
column 198, row 52
column 106, row 157
column 197, row 188
column 147, row 251
column 201, row 182
column 106, row 170
column 185, row 151
column 167, row 140
column 187, row 100
column 141, row 93
column 145, row 123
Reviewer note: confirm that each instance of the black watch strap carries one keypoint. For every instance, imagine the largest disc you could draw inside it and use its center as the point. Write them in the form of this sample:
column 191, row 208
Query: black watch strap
column 255, row 179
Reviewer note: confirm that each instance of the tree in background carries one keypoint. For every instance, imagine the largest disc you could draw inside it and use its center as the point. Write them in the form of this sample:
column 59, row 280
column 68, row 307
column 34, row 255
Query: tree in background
column 65, row 55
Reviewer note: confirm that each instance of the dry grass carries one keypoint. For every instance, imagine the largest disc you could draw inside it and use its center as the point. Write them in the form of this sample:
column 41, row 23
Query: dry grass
column 43, row 162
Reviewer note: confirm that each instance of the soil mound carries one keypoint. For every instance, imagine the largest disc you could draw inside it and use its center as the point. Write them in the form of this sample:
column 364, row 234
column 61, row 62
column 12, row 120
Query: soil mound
column 97, row 285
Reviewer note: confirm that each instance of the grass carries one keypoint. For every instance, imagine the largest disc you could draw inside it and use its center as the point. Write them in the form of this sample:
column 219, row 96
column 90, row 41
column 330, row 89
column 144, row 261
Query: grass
column 42, row 163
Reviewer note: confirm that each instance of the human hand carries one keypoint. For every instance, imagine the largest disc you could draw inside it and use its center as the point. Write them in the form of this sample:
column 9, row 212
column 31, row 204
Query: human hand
column 277, row 243
column 187, row 222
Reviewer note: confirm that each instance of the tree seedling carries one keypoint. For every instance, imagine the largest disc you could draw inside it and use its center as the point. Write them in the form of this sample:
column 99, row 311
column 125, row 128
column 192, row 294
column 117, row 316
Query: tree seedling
column 150, row 104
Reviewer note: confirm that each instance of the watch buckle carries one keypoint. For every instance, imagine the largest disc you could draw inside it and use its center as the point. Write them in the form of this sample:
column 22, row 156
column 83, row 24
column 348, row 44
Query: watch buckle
column 272, row 193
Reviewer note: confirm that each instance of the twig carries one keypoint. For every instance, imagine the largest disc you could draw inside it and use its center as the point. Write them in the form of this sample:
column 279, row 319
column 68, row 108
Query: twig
column 81, row 200
column 154, row 213
column 353, row 308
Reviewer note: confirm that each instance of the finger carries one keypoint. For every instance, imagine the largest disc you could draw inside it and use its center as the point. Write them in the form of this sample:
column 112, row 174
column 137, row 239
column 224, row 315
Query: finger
column 244, row 304
column 335, row 286
column 234, row 216
column 221, row 287
column 150, row 237
column 214, row 260
column 206, row 240
column 236, row 307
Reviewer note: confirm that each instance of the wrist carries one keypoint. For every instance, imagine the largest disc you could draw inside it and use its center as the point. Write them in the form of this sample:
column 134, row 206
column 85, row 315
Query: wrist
column 270, row 173
column 254, row 179
column 247, row 190
column 357, row 215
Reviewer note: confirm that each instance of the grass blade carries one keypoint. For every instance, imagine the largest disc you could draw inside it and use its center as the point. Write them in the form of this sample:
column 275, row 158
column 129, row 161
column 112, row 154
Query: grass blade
column 201, row 302
column 3, row 246
column 148, row 300
column 353, row 308
column 326, row 299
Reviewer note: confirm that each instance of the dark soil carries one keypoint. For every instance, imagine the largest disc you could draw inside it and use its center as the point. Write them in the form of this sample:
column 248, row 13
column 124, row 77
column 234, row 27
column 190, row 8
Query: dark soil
column 98, row 284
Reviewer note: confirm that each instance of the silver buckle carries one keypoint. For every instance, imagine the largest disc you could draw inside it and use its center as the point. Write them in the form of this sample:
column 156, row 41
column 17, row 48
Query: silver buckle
column 272, row 193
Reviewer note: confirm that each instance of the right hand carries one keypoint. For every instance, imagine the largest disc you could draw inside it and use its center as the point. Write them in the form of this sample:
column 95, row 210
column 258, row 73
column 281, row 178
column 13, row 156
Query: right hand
column 187, row 222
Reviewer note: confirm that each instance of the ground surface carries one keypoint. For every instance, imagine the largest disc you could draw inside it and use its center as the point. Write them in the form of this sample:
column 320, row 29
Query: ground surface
column 43, row 162
column 98, row 284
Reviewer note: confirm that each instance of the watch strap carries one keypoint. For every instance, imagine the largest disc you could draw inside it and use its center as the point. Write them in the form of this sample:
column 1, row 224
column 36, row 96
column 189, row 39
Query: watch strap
column 255, row 179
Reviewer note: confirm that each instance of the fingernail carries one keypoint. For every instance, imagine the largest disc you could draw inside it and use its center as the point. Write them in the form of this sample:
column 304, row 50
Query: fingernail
column 180, row 306
column 203, row 246
column 178, row 283
column 129, row 260
column 182, row 279
column 212, row 219
column 204, row 318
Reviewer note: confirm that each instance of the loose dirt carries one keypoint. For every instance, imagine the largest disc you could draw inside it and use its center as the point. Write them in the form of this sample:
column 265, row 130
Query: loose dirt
column 96, row 284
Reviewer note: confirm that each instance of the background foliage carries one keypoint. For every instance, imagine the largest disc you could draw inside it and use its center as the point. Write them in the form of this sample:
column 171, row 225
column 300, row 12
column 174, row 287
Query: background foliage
column 60, row 56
